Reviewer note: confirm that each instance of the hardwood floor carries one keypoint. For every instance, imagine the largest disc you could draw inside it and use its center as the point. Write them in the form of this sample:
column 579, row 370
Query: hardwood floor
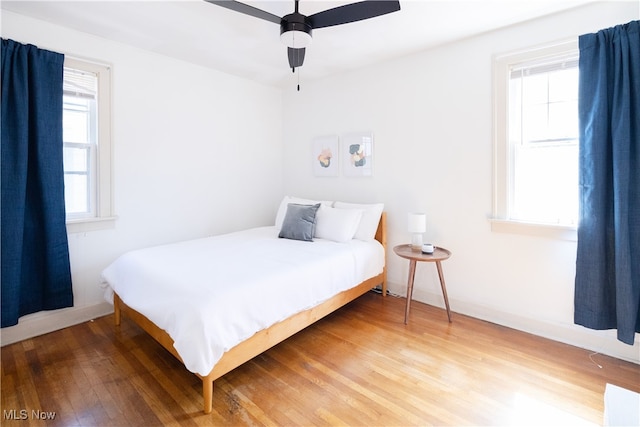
column 359, row 366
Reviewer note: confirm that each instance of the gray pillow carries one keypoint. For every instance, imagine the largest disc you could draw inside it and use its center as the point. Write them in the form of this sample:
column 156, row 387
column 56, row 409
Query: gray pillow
column 299, row 222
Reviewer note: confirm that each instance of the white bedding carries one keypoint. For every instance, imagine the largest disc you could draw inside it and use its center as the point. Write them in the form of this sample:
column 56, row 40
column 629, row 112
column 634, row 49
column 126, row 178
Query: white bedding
column 211, row 294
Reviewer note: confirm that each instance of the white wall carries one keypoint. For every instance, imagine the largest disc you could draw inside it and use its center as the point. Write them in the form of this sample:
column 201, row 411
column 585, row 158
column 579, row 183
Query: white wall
column 431, row 115
column 189, row 143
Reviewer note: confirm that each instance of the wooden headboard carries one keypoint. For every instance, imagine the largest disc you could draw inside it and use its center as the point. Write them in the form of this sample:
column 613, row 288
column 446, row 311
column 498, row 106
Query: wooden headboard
column 381, row 232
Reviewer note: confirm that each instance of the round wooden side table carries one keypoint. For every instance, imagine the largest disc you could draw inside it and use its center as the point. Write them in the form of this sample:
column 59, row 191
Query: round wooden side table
column 439, row 254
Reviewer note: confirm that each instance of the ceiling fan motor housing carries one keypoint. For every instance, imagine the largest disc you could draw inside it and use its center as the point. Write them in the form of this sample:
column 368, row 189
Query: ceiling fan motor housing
column 296, row 24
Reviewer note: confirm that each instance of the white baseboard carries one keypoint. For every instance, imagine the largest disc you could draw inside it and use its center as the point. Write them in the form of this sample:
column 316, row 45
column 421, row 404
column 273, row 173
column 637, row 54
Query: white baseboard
column 603, row 342
column 49, row 321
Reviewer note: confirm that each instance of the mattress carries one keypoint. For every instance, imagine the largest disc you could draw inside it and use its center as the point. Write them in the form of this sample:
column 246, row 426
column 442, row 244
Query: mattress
column 211, row 294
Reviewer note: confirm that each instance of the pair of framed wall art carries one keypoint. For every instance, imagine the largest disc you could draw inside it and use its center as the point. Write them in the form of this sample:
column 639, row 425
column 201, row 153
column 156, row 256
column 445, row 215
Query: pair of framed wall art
column 353, row 153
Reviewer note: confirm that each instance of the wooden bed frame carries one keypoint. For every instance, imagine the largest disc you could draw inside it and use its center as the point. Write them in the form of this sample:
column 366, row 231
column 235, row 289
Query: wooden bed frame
column 266, row 338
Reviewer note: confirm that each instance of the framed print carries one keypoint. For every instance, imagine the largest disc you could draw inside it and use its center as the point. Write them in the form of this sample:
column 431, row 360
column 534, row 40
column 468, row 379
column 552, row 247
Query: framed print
column 325, row 156
column 357, row 152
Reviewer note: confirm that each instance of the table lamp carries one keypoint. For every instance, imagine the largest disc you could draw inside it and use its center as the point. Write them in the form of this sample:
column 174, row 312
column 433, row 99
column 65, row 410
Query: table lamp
column 417, row 226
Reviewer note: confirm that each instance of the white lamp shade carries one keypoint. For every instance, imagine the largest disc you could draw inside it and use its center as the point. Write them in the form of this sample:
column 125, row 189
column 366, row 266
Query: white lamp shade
column 417, row 222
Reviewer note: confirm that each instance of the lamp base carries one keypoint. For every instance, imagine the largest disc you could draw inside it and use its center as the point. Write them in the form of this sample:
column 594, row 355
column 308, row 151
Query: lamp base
column 416, row 242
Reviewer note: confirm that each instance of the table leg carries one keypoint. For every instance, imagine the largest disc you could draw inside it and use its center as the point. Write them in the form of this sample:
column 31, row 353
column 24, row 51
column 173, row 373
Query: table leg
column 412, row 274
column 444, row 289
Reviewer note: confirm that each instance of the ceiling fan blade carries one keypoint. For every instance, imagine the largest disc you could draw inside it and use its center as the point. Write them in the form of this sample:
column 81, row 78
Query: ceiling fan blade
column 353, row 12
column 247, row 10
column 296, row 57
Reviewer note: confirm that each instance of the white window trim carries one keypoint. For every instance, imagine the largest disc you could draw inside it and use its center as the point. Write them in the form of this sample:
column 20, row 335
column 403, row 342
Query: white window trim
column 500, row 221
column 105, row 216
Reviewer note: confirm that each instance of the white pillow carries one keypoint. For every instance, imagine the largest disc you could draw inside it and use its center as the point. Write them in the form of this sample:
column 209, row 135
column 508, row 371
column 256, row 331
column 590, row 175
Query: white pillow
column 282, row 210
column 339, row 225
column 371, row 214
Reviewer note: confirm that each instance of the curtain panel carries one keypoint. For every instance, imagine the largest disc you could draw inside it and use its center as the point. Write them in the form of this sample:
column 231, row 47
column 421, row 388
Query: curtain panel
column 607, row 283
column 36, row 273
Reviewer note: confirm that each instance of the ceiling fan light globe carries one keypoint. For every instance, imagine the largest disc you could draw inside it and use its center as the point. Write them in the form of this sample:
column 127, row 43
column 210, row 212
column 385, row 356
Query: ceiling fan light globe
column 296, row 39
column 295, row 31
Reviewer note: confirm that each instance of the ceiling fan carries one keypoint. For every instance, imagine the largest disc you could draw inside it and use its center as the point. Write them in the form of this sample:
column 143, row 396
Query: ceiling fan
column 296, row 28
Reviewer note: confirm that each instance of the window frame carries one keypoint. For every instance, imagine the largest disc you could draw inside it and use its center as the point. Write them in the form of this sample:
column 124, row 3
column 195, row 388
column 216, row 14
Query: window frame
column 503, row 160
column 104, row 216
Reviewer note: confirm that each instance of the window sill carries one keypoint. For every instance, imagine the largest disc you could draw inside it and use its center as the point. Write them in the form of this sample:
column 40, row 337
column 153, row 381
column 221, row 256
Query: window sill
column 90, row 224
column 551, row 231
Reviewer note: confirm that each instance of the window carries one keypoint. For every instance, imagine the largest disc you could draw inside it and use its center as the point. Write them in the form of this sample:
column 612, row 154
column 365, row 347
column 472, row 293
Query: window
column 87, row 145
column 536, row 138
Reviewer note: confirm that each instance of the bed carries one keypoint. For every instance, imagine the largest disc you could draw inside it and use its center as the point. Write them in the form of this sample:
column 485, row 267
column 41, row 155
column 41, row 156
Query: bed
column 217, row 302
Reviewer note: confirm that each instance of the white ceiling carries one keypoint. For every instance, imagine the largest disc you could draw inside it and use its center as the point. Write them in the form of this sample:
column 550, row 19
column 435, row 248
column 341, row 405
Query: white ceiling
column 215, row 37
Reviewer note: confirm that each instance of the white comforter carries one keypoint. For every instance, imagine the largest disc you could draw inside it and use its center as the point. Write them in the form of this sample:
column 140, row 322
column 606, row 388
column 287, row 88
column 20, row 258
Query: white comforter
column 211, row 294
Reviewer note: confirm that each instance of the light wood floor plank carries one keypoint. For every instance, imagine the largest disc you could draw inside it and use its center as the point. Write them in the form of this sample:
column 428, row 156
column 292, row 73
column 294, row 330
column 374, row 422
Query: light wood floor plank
column 359, row 366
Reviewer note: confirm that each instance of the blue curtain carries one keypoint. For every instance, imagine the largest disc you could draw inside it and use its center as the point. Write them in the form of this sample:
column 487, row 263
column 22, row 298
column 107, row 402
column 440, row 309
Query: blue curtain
column 607, row 284
column 36, row 274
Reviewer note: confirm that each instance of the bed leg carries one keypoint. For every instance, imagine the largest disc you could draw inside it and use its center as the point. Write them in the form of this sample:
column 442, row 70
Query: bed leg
column 384, row 282
column 116, row 309
column 207, row 394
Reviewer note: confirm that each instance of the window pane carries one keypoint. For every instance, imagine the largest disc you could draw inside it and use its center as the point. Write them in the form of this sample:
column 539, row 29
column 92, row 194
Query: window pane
column 546, row 184
column 76, row 159
column 535, row 120
column 563, row 120
column 563, row 85
column 80, row 141
column 75, row 194
column 76, row 120
column 87, row 144
column 544, row 181
column 535, row 89
column 515, row 110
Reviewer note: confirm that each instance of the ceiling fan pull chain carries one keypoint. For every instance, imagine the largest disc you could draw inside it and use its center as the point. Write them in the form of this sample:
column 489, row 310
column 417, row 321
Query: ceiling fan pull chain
column 298, row 80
